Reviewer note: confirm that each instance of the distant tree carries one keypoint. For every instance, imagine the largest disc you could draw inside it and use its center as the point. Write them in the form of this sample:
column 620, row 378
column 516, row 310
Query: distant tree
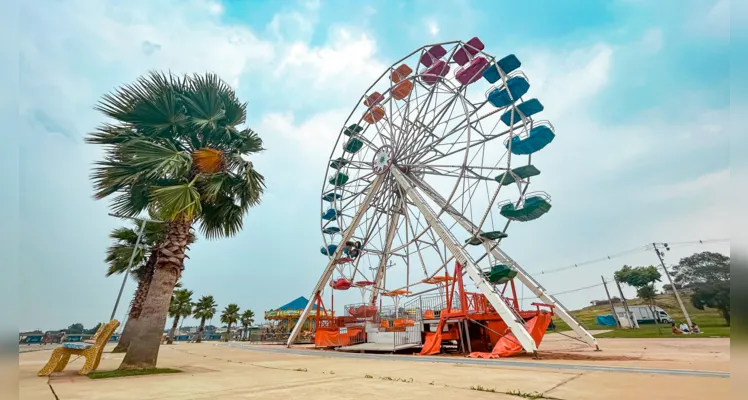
column 229, row 316
column 205, row 309
column 704, row 267
column 246, row 319
column 180, row 307
column 643, row 279
column 93, row 330
column 75, row 328
column 713, row 295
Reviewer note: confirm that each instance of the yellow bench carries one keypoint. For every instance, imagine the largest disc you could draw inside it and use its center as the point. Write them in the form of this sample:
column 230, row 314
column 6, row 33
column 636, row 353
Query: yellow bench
column 90, row 351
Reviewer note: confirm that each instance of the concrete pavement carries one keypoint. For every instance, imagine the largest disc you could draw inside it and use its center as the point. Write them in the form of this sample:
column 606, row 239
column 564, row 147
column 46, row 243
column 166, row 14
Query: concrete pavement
column 264, row 372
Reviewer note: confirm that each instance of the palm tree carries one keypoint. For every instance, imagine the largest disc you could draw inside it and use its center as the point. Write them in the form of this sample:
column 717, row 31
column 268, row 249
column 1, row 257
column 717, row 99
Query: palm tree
column 175, row 148
column 246, row 319
column 181, row 306
column 205, row 309
column 118, row 259
column 229, row 316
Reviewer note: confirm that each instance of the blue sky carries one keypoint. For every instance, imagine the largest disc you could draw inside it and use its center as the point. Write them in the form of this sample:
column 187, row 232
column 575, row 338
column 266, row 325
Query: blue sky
column 639, row 93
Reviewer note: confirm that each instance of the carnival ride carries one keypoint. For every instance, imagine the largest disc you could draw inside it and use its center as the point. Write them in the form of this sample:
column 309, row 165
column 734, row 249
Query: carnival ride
column 283, row 319
column 428, row 156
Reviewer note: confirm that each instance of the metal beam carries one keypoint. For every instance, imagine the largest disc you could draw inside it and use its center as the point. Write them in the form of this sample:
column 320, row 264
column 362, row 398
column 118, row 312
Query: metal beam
column 500, row 255
column 507, row 314
column 383, row 260
column 374, row 188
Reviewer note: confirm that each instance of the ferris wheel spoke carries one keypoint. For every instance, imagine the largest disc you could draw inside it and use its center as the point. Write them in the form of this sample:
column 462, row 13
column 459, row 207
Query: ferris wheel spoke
column 391, row 230
column 413, row 132
column 474, row 123
column 439, row 110
column 432, row 94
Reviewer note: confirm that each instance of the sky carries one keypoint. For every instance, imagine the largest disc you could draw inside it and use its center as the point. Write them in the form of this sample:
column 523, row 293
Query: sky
column 639, row 93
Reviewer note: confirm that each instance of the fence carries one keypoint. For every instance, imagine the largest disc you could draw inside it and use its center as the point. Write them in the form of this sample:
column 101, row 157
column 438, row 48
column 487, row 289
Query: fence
column 267, row 337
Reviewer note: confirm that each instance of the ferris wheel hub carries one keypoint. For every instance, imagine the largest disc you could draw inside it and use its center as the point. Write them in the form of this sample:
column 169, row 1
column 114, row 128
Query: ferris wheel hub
column 383, row 159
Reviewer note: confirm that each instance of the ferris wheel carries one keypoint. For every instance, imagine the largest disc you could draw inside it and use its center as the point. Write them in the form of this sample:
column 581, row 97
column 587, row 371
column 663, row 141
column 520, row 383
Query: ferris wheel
column 432, row 166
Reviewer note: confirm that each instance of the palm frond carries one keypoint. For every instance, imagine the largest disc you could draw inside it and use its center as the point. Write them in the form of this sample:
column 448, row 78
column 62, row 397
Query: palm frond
column 132, row 202
column 155, row 160
column 211, row 186
column 150, row 105
column 178, row 200
column 109, row 134
column 123, row 234
column 221, row 218
column 251, row 187
column 204, row 103
column 249, row 142
column 181, row 303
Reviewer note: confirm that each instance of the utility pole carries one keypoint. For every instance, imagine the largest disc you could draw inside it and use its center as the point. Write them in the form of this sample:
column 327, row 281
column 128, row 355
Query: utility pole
column 672, row 284
column 612, row 308
column 143, row 222
column 632, row 324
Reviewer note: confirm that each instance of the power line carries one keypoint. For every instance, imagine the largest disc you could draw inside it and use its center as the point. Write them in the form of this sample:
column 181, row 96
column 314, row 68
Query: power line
column 571, row 291
column 640, row 249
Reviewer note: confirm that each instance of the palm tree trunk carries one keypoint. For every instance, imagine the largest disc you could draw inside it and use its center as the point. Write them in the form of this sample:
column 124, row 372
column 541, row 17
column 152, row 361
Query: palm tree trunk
column 144, row 346
column 726, row 315
column 173, row 330
column 141, row 293
column 200, row 331
column 228, row 332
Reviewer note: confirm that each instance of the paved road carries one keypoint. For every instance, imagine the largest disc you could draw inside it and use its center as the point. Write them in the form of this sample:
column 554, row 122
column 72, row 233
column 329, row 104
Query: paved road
column 472, row 361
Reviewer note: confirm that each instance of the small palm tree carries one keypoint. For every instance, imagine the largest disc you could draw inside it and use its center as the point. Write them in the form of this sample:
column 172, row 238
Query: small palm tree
column 181, row 306
column 176, row 147
column 205, row 309
column 118, row 256
column 230, row 315
column 246, row 319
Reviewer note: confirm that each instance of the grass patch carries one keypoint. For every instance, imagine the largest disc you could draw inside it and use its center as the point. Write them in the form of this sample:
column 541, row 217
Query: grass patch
column 389, row 378
column 131, row 372
column 525, row 395
column 482, row 389
column 650, row 331
column 709, row 320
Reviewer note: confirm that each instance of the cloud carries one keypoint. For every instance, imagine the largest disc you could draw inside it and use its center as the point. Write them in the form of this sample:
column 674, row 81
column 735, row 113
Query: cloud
column 652, row 41
column 215, row 8
column 432, row 26
column 345, row 66
column 715, row 20
column 714, row 185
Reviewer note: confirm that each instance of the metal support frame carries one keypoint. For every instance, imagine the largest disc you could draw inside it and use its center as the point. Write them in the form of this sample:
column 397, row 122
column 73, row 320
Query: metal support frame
column 510, row 318
column 500, row 255
column 383, row 261
column 335, row 256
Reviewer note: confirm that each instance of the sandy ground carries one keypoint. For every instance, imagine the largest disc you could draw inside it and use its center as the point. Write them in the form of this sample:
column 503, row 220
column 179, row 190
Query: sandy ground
column 265, row 372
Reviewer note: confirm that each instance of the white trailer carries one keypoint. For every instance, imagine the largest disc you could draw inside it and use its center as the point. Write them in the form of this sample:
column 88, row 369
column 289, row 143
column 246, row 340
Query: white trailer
column 644, row 314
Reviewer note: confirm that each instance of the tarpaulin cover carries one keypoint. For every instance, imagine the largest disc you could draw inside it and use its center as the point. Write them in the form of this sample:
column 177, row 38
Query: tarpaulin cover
column 606, row 320
column 509, row 345
column 335, row 337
